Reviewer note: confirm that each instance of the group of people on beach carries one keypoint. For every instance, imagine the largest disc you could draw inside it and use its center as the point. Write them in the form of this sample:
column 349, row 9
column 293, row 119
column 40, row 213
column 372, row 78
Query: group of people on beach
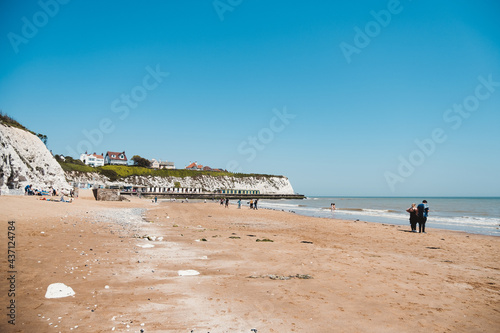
column 253, row 204
column 418, row 214
column 225, row 202
column 29, row 190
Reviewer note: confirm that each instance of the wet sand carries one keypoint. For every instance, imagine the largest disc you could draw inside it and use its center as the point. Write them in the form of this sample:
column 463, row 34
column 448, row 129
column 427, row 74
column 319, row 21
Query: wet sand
column 365, row 277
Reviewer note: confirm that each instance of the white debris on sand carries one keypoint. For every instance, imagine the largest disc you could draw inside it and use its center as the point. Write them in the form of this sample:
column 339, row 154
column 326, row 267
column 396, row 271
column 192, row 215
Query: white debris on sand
column 189, row 272
column 145, row 246
column 59, row 290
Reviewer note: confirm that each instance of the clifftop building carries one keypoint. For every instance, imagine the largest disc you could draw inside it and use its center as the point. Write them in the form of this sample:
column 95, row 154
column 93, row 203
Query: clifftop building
column 158, row 164
column 199, row 167
column 115, row 158
column 93, row 160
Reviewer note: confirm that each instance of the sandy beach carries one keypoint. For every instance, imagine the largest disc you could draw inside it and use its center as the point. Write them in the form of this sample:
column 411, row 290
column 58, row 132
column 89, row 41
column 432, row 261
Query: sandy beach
column 266, row 270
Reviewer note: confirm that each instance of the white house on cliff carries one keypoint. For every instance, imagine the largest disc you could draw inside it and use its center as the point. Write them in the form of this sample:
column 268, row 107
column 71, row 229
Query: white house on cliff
column 159, row 164
column 92, row 159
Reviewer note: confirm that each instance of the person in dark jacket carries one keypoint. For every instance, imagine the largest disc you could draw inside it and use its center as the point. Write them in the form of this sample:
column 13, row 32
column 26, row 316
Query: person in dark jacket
column 413, row 217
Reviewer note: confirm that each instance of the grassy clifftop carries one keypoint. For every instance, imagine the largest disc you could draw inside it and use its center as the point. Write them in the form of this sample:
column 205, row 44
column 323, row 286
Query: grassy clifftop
column 114, row 172
column 9, row 121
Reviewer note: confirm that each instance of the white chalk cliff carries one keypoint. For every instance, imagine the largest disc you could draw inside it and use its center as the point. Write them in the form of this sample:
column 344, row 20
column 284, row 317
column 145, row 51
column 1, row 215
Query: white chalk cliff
column 265, row 184
column 25, row 160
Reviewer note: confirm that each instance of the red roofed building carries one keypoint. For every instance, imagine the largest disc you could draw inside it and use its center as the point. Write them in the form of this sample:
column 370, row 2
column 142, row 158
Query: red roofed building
column 192, row 166
column 115, row 158
column 199, row 167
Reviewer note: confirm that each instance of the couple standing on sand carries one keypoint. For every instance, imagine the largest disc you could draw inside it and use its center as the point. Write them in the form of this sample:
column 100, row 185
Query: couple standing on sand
column 253, row 204
column 418, row 214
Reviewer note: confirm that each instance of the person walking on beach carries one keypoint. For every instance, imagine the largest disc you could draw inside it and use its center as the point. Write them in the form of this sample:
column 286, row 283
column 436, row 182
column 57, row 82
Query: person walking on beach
column 239, row 204
column 227, row 202
column 423, row 211
column 156, row 199
column 251, row 203
column 413, row 216
column 255, row 204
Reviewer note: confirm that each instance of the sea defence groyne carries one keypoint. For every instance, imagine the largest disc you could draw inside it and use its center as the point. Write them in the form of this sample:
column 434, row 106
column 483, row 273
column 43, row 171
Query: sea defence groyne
column 210, row 196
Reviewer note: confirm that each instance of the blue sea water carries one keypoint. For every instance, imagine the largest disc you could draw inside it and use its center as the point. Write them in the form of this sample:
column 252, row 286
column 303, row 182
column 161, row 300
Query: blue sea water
column 472, row 215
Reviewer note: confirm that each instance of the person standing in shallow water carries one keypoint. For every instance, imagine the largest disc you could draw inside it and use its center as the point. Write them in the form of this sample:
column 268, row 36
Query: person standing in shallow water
column 423, row 212
column 413, row 216
column 332, row 206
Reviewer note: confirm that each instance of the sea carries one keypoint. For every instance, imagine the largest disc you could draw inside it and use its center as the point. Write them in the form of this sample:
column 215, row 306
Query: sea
column 473, row 215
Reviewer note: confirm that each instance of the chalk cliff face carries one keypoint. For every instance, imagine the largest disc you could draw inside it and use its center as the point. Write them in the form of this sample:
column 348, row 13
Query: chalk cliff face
column 266, row 185
column 25, row 160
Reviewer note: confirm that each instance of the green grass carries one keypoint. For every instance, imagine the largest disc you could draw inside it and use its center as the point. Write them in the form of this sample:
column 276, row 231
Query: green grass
column 76, row 167
column 122, row 171
column 9, row 121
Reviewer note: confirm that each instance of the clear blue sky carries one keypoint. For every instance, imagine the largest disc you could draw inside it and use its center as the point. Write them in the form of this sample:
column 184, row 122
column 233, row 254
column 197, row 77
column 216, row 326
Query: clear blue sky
column 355, row 84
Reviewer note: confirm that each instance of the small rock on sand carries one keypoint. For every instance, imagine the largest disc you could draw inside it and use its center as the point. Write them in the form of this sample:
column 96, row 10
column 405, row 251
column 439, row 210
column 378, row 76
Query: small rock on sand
column 59, row 290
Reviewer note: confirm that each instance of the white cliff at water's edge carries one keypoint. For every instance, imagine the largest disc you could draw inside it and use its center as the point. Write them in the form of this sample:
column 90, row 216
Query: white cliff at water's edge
column 25, row 160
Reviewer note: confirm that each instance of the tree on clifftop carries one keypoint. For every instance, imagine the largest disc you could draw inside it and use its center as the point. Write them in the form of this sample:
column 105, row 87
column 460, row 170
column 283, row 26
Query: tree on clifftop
column 42, row 137
column 141, row 161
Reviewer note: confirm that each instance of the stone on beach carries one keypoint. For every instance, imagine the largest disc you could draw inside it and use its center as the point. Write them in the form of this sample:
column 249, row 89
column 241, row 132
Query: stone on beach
column 59, row 290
